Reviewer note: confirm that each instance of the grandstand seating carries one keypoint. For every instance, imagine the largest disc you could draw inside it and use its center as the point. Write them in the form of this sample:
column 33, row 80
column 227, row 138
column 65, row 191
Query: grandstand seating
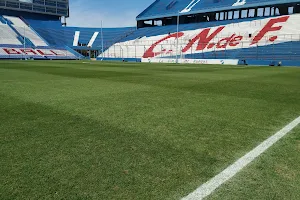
column 110, row 35
column 57, row 35
column 12, row 42
column 51, row 30
column 161, row 30
column 25, row 31
column 8, row 36
column 284, row 47
column 274, row 52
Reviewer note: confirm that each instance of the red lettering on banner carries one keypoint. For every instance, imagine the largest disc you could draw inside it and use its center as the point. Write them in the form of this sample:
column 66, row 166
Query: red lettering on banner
column 43, row 52
column 29, row 51
column 57, row 53
column 150, row 52
column 211, row 45
column 35, row 52
column 223, row 43
column 204, row 39
column 11, row 51
column 235, row 41
column 269, row 27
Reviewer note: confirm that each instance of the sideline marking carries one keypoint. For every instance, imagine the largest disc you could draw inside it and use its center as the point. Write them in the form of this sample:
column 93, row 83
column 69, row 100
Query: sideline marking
column 210, row 186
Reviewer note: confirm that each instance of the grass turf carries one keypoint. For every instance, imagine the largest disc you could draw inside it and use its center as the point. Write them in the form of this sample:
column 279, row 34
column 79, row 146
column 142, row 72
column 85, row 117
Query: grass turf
column 73, row 130
column 275, row 175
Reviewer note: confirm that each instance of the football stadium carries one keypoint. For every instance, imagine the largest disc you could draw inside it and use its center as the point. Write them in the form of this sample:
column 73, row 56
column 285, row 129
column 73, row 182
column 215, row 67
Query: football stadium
column 199, row 100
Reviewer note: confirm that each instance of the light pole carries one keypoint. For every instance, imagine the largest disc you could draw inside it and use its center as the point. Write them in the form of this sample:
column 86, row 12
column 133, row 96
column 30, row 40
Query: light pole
column 177, row 37
column 102, row 41
column 24, row 43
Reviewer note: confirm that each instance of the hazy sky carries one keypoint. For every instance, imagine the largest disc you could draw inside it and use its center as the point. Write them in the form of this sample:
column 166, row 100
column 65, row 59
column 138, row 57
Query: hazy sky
column 113, row 13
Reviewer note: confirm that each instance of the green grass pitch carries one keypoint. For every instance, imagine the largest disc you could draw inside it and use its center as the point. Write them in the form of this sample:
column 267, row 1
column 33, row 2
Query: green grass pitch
column 92, row 130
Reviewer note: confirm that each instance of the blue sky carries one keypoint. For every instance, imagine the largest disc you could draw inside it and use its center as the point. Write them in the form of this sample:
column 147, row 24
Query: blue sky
column 113, row 13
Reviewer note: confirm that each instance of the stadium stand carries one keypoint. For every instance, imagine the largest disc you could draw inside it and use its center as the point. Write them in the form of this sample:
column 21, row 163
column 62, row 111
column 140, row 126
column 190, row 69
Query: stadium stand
column 23, row 29
column 273, row 45
column 19, row 40
column 66, row 36
column 257, row 31
column 161, row 30
column 8, row 36
column 78, row 38
column 265, row 31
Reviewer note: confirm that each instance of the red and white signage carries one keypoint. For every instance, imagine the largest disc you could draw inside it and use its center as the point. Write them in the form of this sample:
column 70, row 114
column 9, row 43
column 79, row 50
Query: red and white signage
column 246, row 34
column 35, row 52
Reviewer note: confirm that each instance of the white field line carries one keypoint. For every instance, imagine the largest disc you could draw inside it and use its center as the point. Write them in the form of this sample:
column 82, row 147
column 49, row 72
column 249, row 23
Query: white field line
column 210, row 186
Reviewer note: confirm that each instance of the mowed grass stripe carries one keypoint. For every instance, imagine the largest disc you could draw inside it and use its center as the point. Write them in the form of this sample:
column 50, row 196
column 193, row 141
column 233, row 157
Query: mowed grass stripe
column 231, row 84
column 156, row 127
column 51, row 154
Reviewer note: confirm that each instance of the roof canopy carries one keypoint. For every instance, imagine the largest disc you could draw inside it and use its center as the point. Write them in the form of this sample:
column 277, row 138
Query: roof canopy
column 168, row 8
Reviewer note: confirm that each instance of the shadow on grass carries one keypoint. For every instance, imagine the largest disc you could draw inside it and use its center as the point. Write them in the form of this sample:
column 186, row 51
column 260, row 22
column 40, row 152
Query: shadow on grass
column 46, row 154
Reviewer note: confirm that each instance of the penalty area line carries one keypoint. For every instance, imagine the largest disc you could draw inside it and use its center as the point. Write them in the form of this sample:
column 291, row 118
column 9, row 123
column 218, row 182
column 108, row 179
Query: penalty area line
column 210, row 186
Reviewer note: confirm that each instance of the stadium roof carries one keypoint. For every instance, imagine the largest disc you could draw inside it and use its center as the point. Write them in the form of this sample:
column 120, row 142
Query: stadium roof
column 168, row 8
